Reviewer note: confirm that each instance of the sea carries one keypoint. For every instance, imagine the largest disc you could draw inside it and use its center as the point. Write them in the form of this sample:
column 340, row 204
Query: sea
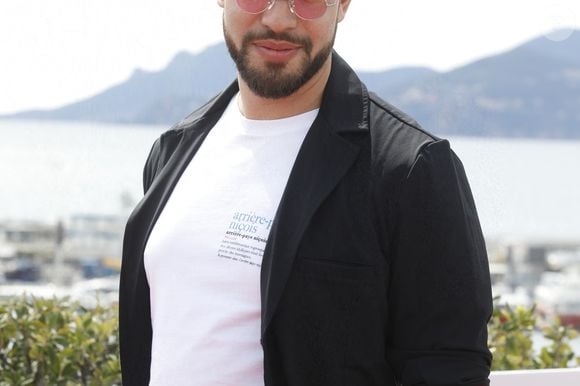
column 523, row 188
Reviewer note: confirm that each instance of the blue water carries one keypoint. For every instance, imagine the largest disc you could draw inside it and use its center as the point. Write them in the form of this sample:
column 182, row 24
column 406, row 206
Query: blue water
column 51, row 170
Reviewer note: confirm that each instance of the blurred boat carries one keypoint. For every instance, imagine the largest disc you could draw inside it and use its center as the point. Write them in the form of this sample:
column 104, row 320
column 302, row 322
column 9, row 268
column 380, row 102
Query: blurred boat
column 559, row 294
column 103, row 291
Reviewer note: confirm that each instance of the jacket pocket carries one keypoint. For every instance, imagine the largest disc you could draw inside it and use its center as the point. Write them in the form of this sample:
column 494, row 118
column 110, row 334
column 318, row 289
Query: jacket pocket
column 328, row 310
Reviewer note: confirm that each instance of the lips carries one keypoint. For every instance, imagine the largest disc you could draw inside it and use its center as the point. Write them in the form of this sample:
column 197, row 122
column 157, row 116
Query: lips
column 276, row 45
column 276, row 50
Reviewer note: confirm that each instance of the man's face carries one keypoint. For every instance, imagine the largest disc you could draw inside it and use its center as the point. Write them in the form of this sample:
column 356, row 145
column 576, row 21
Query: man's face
column 275, row 52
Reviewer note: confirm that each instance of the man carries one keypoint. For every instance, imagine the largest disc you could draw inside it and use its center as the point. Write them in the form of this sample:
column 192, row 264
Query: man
column 297, row 230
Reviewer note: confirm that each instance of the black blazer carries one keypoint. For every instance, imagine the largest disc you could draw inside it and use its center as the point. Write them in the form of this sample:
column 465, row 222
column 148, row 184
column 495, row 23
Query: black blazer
column 375, row 271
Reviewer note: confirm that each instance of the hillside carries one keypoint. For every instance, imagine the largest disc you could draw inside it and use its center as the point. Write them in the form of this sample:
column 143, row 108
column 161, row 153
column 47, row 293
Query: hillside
column 530, row 91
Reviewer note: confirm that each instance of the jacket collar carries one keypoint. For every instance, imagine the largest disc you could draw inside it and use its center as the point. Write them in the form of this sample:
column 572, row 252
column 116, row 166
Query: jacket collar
column 345, row 100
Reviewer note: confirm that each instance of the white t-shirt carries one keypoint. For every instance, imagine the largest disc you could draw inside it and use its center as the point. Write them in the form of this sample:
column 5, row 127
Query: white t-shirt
column 204, row 254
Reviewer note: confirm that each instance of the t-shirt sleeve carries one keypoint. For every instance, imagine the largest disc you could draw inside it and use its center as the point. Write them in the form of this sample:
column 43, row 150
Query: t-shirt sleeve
column 440, row 294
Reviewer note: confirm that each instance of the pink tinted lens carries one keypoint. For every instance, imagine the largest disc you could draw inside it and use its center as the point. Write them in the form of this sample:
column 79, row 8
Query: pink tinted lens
column 253, row 6
column 309, row 9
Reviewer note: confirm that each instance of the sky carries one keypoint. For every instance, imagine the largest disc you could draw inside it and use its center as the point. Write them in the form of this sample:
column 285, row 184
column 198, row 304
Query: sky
column 59, row 51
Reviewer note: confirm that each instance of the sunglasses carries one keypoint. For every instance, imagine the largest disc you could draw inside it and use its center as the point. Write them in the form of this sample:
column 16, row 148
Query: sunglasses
column 304, row 9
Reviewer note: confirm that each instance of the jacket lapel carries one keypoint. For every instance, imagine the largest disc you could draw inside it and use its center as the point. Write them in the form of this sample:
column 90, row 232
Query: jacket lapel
column 324, row 158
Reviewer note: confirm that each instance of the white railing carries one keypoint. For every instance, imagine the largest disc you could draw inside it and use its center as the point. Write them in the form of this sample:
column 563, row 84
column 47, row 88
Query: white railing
column 551, row 377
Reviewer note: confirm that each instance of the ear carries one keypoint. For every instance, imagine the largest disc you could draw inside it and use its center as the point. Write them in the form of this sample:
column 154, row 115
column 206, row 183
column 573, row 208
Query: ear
column 342, row 8
column 220, row 3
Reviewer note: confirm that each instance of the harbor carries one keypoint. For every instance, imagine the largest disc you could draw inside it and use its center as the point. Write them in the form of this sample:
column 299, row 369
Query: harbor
column 81, row 258
column 544, row 274
column 78, row 258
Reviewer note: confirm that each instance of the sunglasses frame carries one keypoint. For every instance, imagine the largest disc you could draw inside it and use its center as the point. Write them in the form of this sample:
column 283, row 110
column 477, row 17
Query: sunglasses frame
column 291, row 4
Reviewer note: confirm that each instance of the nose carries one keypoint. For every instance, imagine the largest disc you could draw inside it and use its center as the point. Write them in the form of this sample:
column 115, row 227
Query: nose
column 279, row 18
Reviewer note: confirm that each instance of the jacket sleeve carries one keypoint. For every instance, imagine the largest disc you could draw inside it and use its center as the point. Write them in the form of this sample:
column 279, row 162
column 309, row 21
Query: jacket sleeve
column 160, row 153
column 440, row 294
column 151, row 165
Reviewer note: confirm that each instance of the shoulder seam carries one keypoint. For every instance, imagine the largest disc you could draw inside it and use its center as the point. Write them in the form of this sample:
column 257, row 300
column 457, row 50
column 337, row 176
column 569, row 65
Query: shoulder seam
column 421, row 152
column 400, row 116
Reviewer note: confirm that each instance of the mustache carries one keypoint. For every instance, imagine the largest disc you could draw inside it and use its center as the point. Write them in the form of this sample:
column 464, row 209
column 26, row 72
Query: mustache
column 250, row 36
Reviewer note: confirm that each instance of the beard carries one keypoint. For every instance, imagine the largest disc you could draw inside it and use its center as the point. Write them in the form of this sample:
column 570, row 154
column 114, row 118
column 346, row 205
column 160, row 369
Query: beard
column 273, row 82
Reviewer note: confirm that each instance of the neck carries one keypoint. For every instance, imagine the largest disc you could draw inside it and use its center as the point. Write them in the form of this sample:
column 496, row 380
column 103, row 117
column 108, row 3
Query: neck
column 306, row 98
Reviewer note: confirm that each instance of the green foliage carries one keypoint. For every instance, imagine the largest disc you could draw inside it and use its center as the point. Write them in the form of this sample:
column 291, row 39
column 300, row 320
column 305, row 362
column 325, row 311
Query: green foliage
column 510, row 338
column 558, row 353
column 510, row 341
column 57, row 342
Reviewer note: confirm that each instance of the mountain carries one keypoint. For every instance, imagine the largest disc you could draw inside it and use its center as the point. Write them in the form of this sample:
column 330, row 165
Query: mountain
column 530, row 91
column 160, row 97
